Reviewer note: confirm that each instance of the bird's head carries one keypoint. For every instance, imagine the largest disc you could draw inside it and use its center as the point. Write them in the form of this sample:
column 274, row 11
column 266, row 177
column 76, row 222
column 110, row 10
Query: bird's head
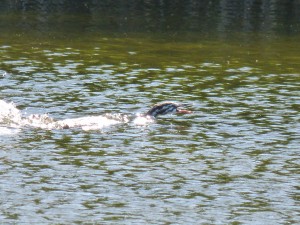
column 167, row 108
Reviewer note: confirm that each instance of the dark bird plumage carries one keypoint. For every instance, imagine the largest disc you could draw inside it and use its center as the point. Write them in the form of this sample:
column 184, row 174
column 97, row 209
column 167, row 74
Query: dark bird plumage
column 166, row 108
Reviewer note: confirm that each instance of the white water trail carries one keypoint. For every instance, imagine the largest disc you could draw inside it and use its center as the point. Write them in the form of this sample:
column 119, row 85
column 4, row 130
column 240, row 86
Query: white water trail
column 12, row 120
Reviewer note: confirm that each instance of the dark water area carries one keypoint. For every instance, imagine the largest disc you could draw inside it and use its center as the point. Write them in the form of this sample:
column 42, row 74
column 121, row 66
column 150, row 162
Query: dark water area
column 96, row 65
column 221, row 17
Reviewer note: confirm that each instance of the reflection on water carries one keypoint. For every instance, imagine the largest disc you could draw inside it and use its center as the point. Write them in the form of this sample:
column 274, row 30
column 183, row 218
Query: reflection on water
column 234, row 160
column 173, row 17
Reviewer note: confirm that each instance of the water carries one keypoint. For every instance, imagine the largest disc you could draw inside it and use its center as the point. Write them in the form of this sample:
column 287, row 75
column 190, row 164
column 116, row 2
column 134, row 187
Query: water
column 234, row 160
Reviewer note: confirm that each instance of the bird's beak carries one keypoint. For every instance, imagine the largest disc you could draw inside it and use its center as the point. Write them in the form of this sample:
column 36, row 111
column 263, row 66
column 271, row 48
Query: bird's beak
column 183, row 111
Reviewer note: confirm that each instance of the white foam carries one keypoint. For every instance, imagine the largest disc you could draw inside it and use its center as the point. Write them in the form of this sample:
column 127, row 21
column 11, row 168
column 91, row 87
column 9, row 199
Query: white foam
column 11, row 117
column 9, row 114
column 88, row 123
column 142, row 120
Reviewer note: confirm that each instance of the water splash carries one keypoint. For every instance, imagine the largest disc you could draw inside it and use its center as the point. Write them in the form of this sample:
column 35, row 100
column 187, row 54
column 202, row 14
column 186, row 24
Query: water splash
column 11, row 117
column 142, row 120
column 9, row 114
column 92, row 122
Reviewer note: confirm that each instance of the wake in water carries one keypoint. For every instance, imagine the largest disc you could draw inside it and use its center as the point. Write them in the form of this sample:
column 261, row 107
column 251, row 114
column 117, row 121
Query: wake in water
column 11, row 119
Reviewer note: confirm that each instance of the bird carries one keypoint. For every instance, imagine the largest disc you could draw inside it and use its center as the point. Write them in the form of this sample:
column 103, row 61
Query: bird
column 167, row 108
column 98, row 122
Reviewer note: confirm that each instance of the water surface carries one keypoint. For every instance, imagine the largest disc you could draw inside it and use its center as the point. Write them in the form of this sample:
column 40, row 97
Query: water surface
column 234, row 160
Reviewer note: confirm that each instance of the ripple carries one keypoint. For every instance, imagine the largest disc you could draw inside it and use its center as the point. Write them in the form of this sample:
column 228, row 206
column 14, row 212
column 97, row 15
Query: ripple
column 235, row 159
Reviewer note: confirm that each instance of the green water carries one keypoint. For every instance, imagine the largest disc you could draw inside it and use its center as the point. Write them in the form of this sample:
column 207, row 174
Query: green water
column 235, row 160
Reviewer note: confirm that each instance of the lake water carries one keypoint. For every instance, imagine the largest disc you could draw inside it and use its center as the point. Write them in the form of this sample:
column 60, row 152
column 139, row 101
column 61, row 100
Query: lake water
column 234, row 160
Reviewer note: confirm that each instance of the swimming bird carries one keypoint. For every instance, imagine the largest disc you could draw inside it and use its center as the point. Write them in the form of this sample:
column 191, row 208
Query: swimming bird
column 167, row 108
column 98, row 122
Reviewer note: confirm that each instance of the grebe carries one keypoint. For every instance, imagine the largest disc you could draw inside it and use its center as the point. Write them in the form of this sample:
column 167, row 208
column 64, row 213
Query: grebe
column 166, row 108
column 97, row 122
